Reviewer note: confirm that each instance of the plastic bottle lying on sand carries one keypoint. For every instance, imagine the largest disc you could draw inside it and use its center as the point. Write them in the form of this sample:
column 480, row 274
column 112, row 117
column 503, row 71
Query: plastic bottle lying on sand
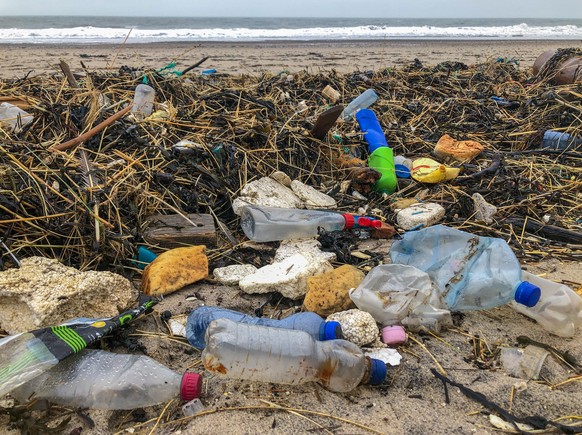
column 269, row 224
column 22, row 357
column 314, row 325
column 261, row 353
column 559, row 310
column 103, row 380
column 471, row 272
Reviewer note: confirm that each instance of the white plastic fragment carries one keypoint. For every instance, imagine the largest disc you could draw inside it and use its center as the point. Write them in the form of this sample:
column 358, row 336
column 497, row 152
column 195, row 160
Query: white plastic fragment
column 177, row 327
column 420, row 215
column 499, row 423
column 386, row 355
column 231, row 275
column 311, row 197
column 288, row 277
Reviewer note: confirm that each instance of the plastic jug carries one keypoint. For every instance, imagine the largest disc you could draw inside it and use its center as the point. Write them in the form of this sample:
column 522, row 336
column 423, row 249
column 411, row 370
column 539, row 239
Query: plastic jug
column 471, row 272
column 559, row 310
column 103, row 380
column 284, row 356
column 314, row 325
column 269, row 224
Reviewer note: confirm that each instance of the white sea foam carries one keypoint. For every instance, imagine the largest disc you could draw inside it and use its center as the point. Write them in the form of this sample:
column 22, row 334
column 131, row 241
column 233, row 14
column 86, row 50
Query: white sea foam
column 104, row 34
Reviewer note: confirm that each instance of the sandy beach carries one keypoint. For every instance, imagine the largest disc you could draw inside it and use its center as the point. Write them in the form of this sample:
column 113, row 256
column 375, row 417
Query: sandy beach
column 255, row 57
column 412, row 401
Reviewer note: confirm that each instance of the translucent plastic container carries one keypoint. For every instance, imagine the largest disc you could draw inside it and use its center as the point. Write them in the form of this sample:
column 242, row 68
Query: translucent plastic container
column 523, row 363
column 556, row 140
column 22, row 358
column 103, row 380
column 559, row 310
column 269, row 224
column 314, row 325
column 261, row 353
column 364, row 100
column 143, row 101
column 471, row 272
column 14, row 117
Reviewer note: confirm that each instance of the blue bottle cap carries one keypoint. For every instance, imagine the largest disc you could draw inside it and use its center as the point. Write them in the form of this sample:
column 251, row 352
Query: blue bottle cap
column 377, row 372
column 527, row 294
column 144, row 257
column 402, row 171
column 330, row 331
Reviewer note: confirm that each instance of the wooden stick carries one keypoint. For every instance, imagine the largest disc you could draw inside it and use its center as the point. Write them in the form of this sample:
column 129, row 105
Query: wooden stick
column 68, row 74
column 85, row 136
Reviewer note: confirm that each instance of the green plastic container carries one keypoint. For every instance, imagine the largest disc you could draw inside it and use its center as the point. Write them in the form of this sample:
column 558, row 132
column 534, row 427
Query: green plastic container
column 382, row 160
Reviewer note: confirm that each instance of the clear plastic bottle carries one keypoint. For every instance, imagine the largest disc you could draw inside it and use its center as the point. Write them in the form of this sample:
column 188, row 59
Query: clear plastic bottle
column 14, row 117
column 362, row 101
column 22, row 358
column 269, row 224
column 314, row 325
column 143, row 101
column 471, row 272
column 556, row 140
column 559, row 310
column 103, row 380
column 284, row 356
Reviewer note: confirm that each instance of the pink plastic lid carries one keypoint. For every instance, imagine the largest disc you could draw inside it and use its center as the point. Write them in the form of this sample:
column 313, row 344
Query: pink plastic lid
column 191, row 386
column 394, row 335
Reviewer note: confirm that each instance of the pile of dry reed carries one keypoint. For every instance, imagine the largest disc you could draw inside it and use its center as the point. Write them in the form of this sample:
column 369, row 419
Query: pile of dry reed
column 86, row 205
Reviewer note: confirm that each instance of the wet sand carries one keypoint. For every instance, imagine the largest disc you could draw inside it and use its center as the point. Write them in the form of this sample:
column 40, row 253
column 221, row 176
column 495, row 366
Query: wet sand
column 256, row 57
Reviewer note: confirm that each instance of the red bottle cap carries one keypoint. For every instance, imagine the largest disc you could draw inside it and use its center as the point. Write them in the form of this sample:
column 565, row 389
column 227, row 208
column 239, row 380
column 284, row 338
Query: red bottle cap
column 191, row 386
column 349, row 221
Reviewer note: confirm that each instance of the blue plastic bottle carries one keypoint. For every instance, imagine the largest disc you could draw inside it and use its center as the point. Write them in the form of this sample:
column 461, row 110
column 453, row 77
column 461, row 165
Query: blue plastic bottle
column 314, row 325
column 471, row 272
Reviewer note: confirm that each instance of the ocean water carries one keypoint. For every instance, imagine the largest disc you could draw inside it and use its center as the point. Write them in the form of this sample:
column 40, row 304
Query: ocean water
column 152, row 29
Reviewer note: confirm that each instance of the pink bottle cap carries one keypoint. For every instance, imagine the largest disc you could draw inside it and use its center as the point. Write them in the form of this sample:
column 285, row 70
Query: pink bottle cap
column 191, row 386
column 394, row 335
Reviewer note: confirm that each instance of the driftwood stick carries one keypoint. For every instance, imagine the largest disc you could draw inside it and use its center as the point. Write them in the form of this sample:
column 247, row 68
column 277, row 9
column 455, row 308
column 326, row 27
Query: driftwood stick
column 551, row 232
column 68, row 74
column 191, row 67
column 85, row 136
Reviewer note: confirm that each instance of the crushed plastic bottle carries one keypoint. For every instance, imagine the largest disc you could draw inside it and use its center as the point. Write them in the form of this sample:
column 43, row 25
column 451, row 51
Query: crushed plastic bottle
column 103, row 380
column 14, row 117
column 269, row 224
column 261, row 353
column 471, row 272
column 143, row 101
column 22, row 358
column 559, row 310
column 314, row 325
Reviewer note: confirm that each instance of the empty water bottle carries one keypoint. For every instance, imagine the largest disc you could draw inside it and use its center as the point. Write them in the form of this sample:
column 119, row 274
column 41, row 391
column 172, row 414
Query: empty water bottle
column 269, row 224
column 362, row 101
column 314, row 325
column 559, row 309
column 471, row 272
column 143, row 101
column 265, row 354
column 102, row 380
column 556, row 140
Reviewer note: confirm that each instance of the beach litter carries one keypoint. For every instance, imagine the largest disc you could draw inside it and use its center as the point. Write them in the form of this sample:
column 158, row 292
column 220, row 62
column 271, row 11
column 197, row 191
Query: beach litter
column 88, row 184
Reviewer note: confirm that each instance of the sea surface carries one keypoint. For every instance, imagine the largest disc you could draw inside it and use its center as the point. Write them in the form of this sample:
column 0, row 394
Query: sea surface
column 32, row 29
